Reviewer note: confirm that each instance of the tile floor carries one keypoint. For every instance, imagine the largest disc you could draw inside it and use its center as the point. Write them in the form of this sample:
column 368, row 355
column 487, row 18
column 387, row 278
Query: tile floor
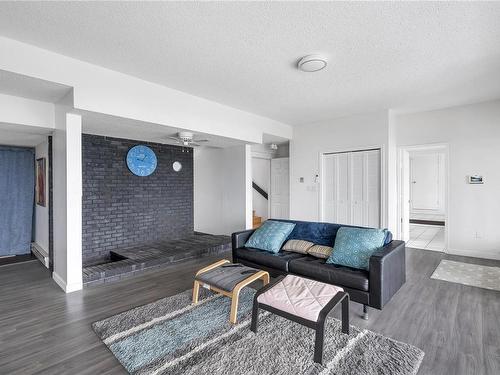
column 428, row 237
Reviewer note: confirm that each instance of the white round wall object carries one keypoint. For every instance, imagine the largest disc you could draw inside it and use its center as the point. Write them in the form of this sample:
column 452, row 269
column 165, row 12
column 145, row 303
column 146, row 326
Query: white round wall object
column 312, row 63
column 177, row 166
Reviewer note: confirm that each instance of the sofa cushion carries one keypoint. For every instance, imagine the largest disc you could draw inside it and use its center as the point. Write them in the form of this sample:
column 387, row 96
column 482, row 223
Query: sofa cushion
column 277, row 261
column 320, row 251
column 270, row 236
column 354, row 246
column 317, row 269
column 297, row 246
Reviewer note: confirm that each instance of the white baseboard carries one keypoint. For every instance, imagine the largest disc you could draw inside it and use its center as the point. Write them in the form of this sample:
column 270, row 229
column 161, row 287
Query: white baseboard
column 68, row 288
column 485, row 254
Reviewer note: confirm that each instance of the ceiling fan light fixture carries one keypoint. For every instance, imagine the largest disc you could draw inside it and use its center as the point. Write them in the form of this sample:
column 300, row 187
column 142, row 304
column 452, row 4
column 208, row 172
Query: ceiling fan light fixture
column 312, row 63
column 187, row 139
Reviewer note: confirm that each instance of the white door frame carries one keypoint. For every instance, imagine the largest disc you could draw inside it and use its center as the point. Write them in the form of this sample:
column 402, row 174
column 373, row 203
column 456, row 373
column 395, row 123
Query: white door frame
column 404, row 200
column 383, row 179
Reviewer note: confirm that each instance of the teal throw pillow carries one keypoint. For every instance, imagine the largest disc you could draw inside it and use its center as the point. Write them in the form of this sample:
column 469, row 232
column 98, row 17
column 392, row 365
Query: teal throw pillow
column 270, row 236
column 354, row 246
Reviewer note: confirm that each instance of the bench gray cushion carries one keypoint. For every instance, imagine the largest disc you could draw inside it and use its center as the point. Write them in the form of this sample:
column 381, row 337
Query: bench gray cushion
column 226, row 277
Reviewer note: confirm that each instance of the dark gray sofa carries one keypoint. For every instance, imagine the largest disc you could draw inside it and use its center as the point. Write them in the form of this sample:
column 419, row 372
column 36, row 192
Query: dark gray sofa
column 374, row 288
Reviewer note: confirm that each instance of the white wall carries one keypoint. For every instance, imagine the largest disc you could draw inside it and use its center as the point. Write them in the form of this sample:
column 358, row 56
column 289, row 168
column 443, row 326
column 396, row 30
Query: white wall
column 473, row 135
column 343, row 134
column 283, row 151
column 42, row 213
column 26, row 112
column 222, row 188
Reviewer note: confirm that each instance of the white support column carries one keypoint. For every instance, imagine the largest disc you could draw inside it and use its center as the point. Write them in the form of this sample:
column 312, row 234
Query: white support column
column 248, row 188
column 74, row 202
column 67, row 189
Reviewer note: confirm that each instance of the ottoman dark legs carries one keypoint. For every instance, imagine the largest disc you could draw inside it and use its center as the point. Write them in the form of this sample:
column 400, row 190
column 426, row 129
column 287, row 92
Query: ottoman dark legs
column 318, row 326
column 343, row 298
column 255, row 307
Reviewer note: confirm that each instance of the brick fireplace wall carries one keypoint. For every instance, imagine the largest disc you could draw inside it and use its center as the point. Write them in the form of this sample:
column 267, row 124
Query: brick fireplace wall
column 121, row 209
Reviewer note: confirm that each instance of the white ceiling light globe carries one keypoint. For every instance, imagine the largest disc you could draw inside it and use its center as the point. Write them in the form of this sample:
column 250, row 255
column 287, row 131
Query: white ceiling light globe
column 312, row 63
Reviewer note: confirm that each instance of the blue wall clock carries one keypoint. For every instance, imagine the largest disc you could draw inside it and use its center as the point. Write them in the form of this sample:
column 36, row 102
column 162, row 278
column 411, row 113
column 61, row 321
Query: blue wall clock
column 141, row 160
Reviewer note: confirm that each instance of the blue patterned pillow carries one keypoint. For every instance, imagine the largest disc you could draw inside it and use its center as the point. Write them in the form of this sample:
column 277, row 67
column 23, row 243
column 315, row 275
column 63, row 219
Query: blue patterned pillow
column 270, row 236
column 354, row 246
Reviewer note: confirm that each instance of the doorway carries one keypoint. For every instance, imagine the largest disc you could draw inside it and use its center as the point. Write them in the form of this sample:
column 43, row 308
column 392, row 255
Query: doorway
column 423, row 190
column 261, row 181
column 16, row 201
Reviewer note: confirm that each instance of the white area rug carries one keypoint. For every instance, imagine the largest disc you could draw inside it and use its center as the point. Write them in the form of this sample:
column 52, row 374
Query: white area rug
column 468, row 274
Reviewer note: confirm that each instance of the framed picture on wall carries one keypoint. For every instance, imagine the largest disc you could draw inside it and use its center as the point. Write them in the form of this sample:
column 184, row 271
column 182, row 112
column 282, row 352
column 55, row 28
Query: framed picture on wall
column 40, row 182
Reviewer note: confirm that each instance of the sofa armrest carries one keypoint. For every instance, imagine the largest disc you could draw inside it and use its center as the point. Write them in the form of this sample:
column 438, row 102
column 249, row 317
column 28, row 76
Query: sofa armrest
column 240, row 238
column 387, row 272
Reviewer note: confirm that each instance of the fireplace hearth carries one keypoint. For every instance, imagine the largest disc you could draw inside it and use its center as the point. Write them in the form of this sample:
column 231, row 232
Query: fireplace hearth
column 133, row 260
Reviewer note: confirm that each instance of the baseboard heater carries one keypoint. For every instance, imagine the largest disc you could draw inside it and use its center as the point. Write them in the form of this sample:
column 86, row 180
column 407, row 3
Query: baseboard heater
column 40, row 253
column 427, row 222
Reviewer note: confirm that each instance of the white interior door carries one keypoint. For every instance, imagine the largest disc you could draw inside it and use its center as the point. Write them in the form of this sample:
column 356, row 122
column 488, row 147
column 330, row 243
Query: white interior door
column 350, row 191
column 425, row 186
column 280, row 188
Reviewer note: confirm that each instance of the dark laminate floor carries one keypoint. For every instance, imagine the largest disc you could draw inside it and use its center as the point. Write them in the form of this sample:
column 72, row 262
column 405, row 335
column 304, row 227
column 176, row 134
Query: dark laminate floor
column 42, row 330
column 4, row 261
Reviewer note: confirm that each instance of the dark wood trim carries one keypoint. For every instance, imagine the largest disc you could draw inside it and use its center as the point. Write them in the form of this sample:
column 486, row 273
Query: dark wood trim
column 51, row 207
column 427, row 222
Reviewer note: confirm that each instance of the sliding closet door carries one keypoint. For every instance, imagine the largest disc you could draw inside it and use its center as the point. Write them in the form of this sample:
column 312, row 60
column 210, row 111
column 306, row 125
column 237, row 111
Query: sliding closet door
column 335, row 192
column 351, row 188
column 371, row 189
column 357, row 187
column 329, row 190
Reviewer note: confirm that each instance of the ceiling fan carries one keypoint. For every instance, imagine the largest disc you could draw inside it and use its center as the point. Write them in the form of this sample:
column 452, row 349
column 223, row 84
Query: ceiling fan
column 187, row 139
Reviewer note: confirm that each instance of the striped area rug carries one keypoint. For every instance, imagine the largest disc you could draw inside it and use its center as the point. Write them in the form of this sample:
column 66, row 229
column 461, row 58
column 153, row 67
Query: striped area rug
column 171, row 336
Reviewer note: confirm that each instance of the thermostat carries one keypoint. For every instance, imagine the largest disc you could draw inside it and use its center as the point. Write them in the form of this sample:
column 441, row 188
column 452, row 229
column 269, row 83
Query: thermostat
column 475, row 179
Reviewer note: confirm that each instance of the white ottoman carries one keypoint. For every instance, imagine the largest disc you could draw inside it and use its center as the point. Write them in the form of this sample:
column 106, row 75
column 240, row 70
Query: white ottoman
column 307, row 302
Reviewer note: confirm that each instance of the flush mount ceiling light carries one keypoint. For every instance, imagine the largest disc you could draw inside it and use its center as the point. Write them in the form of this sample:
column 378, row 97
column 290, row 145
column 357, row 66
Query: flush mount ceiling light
column 312, row 63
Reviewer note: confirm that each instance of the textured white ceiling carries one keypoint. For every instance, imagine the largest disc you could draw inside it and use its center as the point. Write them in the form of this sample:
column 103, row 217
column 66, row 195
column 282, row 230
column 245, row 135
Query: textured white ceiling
column 402, row 55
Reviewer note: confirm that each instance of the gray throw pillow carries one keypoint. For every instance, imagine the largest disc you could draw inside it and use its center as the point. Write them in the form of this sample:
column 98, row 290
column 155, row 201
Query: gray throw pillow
column 297, row 246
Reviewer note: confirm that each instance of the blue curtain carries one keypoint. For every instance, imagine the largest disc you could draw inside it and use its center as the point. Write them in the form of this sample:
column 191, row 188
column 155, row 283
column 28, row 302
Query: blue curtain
column 17, row 186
